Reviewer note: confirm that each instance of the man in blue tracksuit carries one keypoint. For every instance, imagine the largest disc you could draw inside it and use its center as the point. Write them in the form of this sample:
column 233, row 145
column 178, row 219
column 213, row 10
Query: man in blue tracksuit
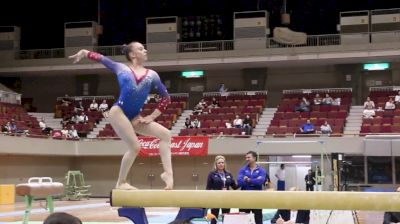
column 251, row 177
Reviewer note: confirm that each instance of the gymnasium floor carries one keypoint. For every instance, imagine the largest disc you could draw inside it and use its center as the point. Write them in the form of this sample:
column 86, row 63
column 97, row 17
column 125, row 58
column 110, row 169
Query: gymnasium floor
column 98, row 211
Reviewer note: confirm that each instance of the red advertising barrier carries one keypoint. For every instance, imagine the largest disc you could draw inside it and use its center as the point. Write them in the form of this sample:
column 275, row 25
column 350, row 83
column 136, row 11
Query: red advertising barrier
column 180, row 146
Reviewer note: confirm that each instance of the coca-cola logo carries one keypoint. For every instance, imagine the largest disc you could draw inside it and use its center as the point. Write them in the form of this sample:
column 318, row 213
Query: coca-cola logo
column 177, row 144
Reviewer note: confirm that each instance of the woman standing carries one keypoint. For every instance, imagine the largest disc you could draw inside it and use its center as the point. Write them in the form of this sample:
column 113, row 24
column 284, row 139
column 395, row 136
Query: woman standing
column 220, row 179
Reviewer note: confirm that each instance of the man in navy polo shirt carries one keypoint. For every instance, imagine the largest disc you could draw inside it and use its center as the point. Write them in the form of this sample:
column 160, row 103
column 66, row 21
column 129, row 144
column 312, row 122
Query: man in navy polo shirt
column 251, row 177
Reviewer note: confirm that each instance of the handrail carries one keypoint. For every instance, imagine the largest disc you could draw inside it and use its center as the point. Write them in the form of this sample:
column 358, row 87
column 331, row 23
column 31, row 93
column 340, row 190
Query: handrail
column 385, row 88
column 322, row 90
column 77, row 98
column 202, row 46
column 235, row 93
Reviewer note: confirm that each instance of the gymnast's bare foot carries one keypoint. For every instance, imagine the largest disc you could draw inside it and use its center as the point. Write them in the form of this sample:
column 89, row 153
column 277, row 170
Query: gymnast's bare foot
column 169, row 180
column 125, row 186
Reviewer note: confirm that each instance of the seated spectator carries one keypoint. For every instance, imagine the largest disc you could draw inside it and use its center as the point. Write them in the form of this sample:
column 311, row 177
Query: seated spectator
column 94, row 106
column 14, row 129
column 304, row 106
column 317, row 99
column 214, row 103
column 66, row 101
column 198, row 109
column 389, row 105
column 188, row 123
column 45, row 130
column 78, row 107
column 326, row 128
column 73, row 133
column 369, row 108
column 103, row 106
column 307, row 128
column 4, row 128
column 238, row 122
column 247, row 125
column 83, row 118
column 64, row 132
column 61, row 218
column 65, row 121
column 157, row 98
column 228, row 124
column 397, row 98
column 327, row 100
column 337, row 101
column 203, row 103
column 74, row 119
column 196, row 123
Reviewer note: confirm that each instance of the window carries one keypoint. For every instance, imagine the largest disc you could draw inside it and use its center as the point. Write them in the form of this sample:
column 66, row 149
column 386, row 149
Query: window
column 353, row 170
column 380, row 170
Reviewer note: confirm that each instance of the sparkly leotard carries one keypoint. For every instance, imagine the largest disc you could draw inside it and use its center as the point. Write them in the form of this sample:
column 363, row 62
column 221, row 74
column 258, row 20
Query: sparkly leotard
column 133, row 91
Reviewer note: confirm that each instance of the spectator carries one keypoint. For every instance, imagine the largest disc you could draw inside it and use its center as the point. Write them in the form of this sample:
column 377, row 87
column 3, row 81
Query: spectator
column 83, row 118
column 304, row 106
column 94, row 106
column 369, row 108
column 220, row 179
column 390, row 105
column 66, row 101
column 222, row 90
column 392, row 217
column 103, row 106
column 45, row 130
column 397, row 98
column 327, row 100
column 73, row 133
column 247, row 125
column 307, row 128
column 157, row 98
column 198, row 109
column 196, row 123
column 66, row 120
column 281, row 176
column 337, row 101
column 61, row 218
column 251, row 177
column 203, row 103
column 310, row 181
column 228, row 124
column 64, row 132
column 214, row 103
column 317, row 99
column 188, row 123
column 78, row 107
column 238, row 122
column 326, row 128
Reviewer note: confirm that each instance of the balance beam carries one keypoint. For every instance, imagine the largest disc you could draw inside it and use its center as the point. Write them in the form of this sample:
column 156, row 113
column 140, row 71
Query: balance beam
column 304, row 200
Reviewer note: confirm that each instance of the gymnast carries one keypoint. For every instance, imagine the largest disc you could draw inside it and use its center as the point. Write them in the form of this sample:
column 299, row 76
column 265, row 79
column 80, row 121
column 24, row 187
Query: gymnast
column 135, row 82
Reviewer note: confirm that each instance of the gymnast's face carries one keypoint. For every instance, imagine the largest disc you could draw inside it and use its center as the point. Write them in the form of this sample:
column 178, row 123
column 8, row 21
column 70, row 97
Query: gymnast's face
column 220, row 164
column 139, row 52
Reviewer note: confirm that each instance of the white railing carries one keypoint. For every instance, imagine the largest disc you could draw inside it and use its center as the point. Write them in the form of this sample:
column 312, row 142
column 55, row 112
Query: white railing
column 236, row 93
column 78, row 98
column 384, row 88
column 204, row 46
column 10, row 97
column 325, row 90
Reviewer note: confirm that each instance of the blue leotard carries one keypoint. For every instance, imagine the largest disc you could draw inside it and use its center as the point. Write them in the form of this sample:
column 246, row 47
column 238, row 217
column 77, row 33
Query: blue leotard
column 133, row 91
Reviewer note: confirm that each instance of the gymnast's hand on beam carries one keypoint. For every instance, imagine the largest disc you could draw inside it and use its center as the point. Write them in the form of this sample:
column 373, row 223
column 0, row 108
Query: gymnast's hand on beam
column 78, row 56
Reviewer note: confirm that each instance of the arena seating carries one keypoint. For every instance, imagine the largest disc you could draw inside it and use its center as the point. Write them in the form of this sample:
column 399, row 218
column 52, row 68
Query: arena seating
column 288, row 122
column 384, row 121
column 22, row 119
column 240, row 103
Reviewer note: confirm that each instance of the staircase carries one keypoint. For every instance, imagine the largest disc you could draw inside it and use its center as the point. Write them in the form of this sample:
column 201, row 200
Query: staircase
column 264, row 121
column 100, row 126
column 180, row 123
column 49, row 119
column 354, row 121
